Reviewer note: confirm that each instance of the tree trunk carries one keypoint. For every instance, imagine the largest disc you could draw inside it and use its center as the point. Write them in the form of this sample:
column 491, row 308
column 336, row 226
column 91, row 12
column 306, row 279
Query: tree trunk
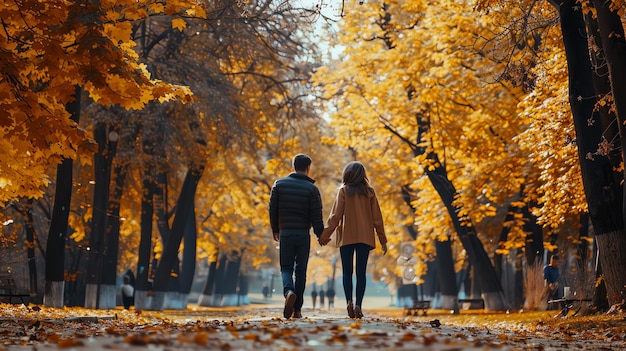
column 112, row 231
column 613, row 256
column 498, row 258
column 98, row 292
column 161, row 206
column 599, row 299
column 445, row 265
column 25, row 208
column 604, row 193
column 230, row 280
column 614, row 48
column 188, row 267
column 445, row 272
column 218, row 283
column 208, row 290
column 55, row 247
column 170, row 249
column 492, row 292
column 534, row 238
column 117, row 175
column 612, row 248
column 143, row 288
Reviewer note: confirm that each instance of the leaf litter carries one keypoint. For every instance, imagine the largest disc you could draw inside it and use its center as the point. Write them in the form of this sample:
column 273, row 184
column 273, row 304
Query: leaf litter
column 250, row 328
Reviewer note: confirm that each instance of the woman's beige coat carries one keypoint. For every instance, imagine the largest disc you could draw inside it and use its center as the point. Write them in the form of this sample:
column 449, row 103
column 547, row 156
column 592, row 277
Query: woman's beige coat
column 362, row 219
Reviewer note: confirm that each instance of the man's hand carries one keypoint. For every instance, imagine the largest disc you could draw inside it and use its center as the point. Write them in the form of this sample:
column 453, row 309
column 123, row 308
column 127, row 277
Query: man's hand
column 276, row 236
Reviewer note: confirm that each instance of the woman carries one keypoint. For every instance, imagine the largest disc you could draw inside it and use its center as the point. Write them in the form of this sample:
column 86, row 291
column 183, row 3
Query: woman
column 357, row 214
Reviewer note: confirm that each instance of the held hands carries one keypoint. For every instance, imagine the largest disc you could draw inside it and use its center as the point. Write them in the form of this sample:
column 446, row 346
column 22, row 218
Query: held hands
column 325, row 237
column 322, row 241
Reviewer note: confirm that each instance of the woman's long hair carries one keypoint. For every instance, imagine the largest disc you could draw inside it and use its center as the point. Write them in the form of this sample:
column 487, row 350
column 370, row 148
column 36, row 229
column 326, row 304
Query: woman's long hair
column 355, row 179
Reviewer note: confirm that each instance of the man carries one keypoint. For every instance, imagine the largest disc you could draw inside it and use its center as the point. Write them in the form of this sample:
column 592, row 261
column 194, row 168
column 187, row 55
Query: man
column 551, row 276
column 295, row 206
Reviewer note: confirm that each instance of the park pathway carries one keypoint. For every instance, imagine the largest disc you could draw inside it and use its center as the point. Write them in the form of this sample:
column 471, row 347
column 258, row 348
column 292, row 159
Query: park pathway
column 261, row 327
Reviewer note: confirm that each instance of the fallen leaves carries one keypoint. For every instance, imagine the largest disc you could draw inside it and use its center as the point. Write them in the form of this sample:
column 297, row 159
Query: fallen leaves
column 82, row 329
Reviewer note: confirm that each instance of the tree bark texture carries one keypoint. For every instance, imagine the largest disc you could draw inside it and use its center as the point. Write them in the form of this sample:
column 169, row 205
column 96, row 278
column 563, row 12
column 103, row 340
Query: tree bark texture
column 612, row 248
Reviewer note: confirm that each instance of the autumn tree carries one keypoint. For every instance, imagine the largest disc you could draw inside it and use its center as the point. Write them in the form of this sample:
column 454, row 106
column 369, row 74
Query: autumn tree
column 434, row 85
column 235, row 74
column 590, row 30
column 47, row 51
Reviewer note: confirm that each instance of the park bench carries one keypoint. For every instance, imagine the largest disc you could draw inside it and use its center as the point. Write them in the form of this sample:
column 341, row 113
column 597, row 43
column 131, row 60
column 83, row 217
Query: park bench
column 8, row 288
column 420, row 305
column 568, row 304
column 477, row 304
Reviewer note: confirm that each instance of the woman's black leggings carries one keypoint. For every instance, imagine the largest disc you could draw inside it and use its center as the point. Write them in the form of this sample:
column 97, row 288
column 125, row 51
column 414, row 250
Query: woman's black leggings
column 347, row 258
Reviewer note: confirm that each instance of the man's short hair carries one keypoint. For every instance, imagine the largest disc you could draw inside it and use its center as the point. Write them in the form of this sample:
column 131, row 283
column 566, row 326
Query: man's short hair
column 301, row 162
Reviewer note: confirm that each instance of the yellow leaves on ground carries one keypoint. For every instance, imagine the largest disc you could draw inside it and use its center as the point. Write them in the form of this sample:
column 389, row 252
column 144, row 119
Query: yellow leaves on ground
column 253, row 328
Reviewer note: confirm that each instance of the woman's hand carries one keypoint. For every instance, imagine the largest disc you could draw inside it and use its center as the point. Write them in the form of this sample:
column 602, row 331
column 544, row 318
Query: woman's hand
column 325, row 237
column 384, row 248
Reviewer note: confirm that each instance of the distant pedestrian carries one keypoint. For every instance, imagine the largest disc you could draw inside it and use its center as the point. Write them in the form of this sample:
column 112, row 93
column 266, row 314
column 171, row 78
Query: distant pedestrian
column 357, row 216
column 330, row 295
column 128, row 293
column 295, row 206
column 314, row 296
column 322, row 296
column 265, row 291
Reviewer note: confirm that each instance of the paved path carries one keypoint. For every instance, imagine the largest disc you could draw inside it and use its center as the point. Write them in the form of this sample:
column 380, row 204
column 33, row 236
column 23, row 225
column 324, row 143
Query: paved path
column 263, row 328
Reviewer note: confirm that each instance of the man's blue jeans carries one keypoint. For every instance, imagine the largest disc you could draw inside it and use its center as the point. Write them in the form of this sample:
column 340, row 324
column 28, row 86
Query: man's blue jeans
column 294, row 258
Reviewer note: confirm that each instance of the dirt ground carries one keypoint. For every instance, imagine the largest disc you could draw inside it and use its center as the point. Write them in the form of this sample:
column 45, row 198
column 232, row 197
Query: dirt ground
column 261, row 327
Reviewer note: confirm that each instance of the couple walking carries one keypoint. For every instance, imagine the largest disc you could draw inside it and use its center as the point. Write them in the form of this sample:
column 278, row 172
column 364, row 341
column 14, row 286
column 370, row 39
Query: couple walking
column 296, row 206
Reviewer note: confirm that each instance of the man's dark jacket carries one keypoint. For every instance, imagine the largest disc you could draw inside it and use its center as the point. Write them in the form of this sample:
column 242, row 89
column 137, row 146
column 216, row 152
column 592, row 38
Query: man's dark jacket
column 295, row 206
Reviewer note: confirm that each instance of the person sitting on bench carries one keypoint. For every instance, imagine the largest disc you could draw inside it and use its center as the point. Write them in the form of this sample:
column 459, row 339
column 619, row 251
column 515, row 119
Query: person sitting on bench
column 551, row 277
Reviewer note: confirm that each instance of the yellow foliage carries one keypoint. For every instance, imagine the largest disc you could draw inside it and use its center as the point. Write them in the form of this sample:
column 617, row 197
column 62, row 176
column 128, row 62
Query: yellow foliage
column 179, row 23
column 409, row 62
column 49, row 47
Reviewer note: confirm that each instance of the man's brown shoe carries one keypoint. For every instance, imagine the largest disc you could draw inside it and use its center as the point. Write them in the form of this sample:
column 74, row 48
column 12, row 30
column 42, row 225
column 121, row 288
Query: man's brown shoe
column 290, row 299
